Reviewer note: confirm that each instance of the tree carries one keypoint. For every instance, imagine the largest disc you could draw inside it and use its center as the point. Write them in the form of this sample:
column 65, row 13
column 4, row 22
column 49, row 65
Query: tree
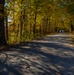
column 2, row 29
column 70, row 10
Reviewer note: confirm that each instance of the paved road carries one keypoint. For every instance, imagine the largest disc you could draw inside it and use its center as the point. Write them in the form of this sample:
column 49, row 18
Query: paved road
column 51, row 55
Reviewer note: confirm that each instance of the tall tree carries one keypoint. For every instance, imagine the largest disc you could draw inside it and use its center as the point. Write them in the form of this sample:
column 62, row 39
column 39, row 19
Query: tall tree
column 2, row 29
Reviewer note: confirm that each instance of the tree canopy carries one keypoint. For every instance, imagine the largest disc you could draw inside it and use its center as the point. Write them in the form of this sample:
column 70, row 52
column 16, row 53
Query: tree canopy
column 27, row 19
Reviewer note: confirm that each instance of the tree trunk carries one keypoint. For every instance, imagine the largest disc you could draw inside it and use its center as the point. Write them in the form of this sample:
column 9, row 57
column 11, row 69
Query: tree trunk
column 34, row 26
column 6, row 28
column 2, row 28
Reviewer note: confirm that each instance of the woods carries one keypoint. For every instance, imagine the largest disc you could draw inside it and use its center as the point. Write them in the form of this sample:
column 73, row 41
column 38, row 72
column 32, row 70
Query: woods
column 22, row 20
column 36, row 37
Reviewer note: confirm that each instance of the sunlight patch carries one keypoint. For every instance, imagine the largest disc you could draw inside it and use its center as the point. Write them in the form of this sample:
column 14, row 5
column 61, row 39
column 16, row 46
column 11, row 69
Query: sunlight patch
column 69, row 45
column 27, row 47
column 69, row 53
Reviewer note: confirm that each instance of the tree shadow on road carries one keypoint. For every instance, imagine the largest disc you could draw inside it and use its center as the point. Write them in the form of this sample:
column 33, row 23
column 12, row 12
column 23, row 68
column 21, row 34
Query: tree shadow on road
column 49, row 63
column 41, row 58
column 7, row 68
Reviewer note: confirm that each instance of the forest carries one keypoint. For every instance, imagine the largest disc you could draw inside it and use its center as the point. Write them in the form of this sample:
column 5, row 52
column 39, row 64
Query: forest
column 36, row 37
column 23, row 20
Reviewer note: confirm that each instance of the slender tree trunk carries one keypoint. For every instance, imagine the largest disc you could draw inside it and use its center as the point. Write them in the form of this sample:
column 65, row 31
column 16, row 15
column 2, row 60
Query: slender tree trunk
column 6, row 28
column 2, row 28
column 46, row 28
column 34, row 27
column 21, row 23
column 40, row 32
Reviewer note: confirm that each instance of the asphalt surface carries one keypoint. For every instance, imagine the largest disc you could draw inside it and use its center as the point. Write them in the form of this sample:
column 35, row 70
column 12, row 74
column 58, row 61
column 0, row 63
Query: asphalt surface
column 51, row 55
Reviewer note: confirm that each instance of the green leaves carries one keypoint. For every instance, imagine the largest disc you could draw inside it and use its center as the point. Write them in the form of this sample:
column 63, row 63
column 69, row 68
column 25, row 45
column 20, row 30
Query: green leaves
column 39, row 17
